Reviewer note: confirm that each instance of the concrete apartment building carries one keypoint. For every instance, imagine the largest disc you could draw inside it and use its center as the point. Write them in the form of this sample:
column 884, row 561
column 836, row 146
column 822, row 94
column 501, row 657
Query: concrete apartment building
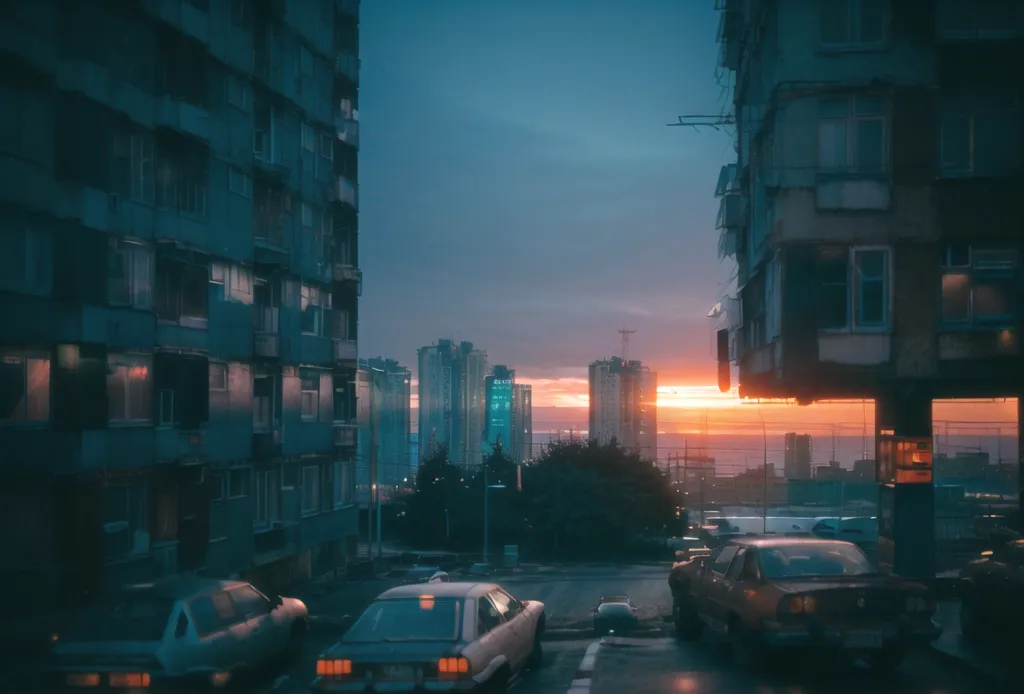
column 873, row 212
column 521, row 449
column 452, row 400
column 178, row 218
column 624, row 405
column 384, row 416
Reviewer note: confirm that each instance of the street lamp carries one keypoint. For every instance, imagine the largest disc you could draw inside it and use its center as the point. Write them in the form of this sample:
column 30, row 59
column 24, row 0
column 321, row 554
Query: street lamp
column 487, row 517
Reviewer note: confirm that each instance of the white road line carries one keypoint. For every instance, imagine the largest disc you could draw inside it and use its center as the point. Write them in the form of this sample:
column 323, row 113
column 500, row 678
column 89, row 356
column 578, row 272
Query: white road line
column 585, row 672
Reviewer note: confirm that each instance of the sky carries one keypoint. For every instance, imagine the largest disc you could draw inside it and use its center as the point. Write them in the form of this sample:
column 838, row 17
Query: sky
column 520, row 188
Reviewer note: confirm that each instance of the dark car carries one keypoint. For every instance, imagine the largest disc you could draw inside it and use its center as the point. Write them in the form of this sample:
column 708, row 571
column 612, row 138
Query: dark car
column 615, row 615
column 991, row 587
column 767, row 593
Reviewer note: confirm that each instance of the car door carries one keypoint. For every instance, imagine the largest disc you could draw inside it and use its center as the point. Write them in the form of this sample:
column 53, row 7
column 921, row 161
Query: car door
column 518, row 619
column 732, row 593
column 261, row 638
column 220, row 630
column 512, row 638
column 490, row 638
column 715, row 589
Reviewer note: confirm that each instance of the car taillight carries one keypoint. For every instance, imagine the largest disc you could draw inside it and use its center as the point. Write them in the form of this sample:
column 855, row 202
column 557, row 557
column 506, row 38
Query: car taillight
column 452, row 668
column 799, row 604
column 335, row 667
column 83, row 679
column 129, row 680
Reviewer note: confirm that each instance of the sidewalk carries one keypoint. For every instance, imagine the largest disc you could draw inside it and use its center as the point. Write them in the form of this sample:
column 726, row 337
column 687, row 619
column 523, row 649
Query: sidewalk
column 950, row 647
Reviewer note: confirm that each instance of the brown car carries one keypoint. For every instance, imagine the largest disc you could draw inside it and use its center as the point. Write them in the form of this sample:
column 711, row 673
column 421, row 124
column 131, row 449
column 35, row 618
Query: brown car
column 784, row 592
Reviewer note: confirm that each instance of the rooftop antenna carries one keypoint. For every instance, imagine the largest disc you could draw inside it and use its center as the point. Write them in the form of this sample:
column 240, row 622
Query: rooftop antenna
column 625, row 332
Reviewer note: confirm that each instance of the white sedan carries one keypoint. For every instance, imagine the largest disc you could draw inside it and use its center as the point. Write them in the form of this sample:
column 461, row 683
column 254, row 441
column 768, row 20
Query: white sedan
column 439, row 637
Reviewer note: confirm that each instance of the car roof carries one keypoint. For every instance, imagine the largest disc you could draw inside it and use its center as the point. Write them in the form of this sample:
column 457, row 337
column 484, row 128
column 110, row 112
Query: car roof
column 179, row 587
column 787, row 541
column 459, row 589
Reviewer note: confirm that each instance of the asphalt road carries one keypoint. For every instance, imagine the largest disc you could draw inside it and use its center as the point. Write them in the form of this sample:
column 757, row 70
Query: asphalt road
column 639, row 666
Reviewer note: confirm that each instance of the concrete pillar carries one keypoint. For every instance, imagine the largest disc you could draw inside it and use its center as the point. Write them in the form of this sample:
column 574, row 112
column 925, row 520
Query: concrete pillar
column 906, row 514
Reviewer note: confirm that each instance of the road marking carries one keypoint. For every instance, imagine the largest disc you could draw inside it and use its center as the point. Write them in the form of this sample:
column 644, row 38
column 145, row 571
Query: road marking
column 585, row 672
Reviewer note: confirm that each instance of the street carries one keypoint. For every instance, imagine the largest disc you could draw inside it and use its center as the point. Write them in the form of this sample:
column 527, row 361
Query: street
column 659, row 664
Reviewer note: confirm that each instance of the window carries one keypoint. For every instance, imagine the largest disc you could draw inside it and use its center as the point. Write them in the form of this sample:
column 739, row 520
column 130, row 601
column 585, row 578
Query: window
column 289, row 475
column 215, row 483
column 972, row 20
column 720, row 564
column 238, row 482
column 315, row 304
column 980, row 135
column 310, row 393
column 218, row 273
column 239, row 182
column 241, row 283
column 852, row 135
column 125, row 520
column 853, row 289
column 238, row 93
column 343, row 483
column 268, row 498
column 852, row 24
column 182, row 179
column 129, row 388
column 24, row 387
column 266, row 413
column 306, row 61
column 129, row 274
column 310, row 489
column 308, row 137
column 218, row 376
column 327, row 146
column 182, row 291
column 27, row 261
column 132, row 163
column 307, row 217
column 737, row 565
column 327, row 501
column 979, row 286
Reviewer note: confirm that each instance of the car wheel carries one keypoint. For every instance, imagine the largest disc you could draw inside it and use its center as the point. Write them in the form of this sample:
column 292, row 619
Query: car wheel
column 746, row 651
column 296, row 639
column 687, row 624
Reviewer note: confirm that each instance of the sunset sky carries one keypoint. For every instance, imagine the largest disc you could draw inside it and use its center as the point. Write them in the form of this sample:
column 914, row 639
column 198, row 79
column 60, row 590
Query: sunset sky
column 520, row 190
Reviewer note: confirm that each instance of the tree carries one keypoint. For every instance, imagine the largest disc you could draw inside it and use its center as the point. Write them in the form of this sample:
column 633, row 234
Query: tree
column 438, row 487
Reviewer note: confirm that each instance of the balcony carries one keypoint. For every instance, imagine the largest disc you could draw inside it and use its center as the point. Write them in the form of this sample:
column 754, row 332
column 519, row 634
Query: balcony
column 344, row 272
column 345, row 435
column 348, row 130
column 345, row 350
column 179, row 445
column 345, row 192
column 95, row 82
column 266, row 338
column 348, row 65
column 266, row 445
column 349, row 7
column 182, row 15
column 182, row 117
column 731, row 212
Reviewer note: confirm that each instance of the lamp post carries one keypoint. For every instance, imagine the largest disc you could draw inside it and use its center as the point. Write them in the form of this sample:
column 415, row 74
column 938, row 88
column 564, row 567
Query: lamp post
column 487, row 518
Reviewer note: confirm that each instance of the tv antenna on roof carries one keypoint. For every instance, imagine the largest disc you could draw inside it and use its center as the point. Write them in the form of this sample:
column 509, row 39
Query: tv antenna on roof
column 625, row 332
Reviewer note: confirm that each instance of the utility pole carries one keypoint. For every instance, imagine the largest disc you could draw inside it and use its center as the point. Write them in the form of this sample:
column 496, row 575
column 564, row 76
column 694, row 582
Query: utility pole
column 764, row 464
column 487, row 516
column 374, row 477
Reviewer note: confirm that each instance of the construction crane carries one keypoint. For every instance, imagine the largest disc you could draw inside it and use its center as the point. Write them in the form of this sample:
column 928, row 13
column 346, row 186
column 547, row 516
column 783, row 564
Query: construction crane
column 625, row 332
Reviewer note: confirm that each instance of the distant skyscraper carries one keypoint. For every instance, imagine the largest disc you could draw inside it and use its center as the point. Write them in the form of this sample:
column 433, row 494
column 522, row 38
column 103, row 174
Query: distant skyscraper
column 451, row 400
column 798, row 456
column 498, row 423
column 522, row 423
column 623, row 405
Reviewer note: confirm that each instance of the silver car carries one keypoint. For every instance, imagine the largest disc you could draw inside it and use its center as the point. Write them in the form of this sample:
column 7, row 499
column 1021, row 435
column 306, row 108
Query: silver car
column 436, row 637
column 190, row 632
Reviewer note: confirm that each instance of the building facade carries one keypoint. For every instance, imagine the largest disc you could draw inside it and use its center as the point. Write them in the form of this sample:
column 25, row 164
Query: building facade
column 179, row 217
column 385, row 389
column 624, row 405
column 452, row 400
column 797, row 462
column 872, row 214
column 522, row 423
column 498, row 389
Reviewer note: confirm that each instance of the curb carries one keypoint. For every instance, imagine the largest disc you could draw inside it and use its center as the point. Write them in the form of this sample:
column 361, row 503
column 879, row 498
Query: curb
column 584, row 676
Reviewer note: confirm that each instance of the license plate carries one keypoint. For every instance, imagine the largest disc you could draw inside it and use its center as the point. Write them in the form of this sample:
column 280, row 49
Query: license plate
column 398, row 672
column 864, row 640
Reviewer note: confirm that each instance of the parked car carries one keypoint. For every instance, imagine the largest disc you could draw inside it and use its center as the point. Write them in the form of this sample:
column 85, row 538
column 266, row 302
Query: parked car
column 787, row 592
column 421, row 574
column 615, row 614
column 445, row 636
column 178, row 633
column 991, row 586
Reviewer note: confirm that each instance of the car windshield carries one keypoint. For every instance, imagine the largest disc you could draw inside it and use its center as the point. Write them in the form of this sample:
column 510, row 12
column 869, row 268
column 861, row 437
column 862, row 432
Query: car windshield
column 614, row 598
column 128, row 619
column 422, row 618
column 806, row 559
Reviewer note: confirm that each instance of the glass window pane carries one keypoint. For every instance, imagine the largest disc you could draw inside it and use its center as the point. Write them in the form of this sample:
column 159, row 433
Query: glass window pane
column 992, row 298
column 117, row 398
column 956, row 297
column 38, row 390
column 872, row 21
column 835, row 22
column 871, row 264
column 956, row 143
column 832, row 145
column 872, row 303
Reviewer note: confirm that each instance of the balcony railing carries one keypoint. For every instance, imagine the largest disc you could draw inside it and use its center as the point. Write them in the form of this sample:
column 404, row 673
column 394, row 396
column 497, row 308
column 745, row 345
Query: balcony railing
column 345, row 434
column 269, row 231
column 348, row 65
column 344, row 272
